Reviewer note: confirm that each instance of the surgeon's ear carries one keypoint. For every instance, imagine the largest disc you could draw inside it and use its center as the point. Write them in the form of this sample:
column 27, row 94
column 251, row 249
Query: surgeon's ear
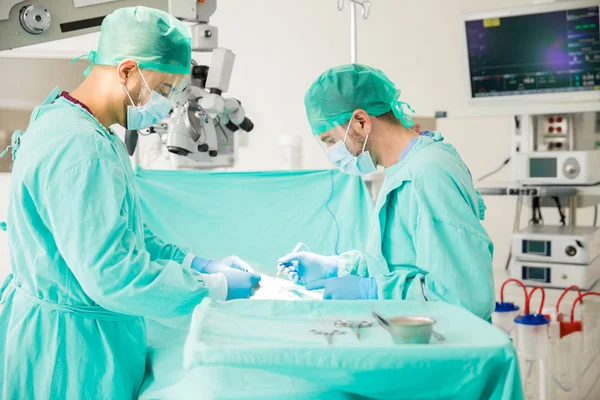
column 361, row 123
column 125, row 69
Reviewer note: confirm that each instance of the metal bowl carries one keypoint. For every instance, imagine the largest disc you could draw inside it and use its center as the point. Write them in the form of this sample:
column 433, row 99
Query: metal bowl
column 411, row 330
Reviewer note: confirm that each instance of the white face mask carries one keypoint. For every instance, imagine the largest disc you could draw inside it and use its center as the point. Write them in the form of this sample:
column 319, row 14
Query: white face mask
column 347, row 162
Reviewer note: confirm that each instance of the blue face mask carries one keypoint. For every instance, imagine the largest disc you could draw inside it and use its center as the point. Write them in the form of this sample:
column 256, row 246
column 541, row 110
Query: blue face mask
column 151, row 113
column 347, row 162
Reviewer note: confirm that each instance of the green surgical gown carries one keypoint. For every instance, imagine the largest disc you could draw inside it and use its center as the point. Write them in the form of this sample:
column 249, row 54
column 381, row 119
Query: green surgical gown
column 427, row 241
column 85, row 267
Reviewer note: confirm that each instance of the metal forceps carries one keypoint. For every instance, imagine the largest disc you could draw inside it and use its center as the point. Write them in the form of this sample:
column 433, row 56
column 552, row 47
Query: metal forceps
column 327, row 335
column 354, row 325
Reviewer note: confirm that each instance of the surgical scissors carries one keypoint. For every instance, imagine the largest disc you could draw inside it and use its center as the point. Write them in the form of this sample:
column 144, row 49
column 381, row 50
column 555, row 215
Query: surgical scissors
column 354, row 325
column 327, row 335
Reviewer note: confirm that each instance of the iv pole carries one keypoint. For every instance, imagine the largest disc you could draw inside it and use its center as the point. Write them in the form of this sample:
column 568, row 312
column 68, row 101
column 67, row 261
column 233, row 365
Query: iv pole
column 365, row 8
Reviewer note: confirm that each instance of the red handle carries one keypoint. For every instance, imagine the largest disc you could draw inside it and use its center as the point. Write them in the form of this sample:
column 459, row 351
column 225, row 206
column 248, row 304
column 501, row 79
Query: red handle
column 528, row 300
column 564, row 294
column 516, row 281
column 579, row 299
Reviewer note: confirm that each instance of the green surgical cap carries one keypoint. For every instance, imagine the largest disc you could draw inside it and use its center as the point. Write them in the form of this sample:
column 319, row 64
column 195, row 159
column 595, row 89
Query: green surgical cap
column 338, row 92
column 155, row 39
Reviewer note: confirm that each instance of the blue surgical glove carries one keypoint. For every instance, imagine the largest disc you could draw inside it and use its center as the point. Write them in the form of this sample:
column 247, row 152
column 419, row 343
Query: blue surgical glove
column 349, row 287
column 242, row 282
column 303, row 267
column 212, row 267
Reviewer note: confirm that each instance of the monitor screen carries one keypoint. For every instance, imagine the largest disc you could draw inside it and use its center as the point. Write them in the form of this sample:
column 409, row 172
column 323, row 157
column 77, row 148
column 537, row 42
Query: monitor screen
column 536, row 274
column 536, row 247
column 538, row 53
column 543, row 167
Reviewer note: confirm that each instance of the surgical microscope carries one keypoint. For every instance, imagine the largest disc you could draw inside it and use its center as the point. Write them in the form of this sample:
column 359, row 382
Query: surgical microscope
column 202, row 123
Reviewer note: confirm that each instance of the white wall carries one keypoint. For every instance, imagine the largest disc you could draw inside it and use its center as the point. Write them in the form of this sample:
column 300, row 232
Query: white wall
column 282, row 46
column 27, row 82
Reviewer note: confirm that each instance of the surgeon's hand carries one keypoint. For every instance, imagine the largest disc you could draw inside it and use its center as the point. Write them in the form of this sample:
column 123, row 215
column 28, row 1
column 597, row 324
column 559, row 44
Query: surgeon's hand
column 349, row 287
column 240, row 284
column 212, row 267
column 303, row 267
column 236, row 263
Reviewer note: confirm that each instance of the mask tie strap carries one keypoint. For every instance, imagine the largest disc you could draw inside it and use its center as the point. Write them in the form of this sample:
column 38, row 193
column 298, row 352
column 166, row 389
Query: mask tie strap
column 128, row 95
column 144, row 79
column 347, row 130
column 365, row 143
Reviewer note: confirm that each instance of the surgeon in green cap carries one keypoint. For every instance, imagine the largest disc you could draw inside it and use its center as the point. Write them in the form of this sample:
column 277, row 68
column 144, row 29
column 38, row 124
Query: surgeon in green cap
column 86, row 269
column 426, row 242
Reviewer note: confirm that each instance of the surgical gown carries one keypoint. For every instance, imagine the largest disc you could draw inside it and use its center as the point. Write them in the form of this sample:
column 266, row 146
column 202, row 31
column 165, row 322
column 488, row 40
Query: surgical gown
column 86, row 268
column 427, row 241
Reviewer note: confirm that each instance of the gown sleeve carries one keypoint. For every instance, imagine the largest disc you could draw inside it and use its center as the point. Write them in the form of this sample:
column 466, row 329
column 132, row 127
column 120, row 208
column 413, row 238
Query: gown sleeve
column 159, row 250
column 88, row 218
